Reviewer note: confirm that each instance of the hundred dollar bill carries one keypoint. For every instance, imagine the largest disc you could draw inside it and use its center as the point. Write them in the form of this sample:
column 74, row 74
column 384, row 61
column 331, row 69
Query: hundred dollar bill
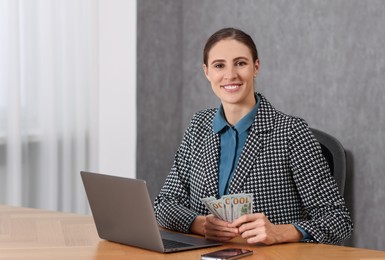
column 206, row 201
column 241, row 204
column 219, row 207
column 228, row 207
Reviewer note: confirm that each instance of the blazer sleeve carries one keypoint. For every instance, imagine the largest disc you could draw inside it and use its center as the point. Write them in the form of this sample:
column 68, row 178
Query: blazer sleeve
column 329, row 220
column 172, row 205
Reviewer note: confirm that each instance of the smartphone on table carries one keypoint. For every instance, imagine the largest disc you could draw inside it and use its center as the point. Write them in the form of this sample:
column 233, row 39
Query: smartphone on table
column 227, row 254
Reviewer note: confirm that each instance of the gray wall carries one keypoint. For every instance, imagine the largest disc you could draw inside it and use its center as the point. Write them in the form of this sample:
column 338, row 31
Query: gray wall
column 321, row 60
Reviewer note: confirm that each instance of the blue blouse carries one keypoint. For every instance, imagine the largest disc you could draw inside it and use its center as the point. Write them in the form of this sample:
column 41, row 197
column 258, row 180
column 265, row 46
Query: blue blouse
column 233, row 139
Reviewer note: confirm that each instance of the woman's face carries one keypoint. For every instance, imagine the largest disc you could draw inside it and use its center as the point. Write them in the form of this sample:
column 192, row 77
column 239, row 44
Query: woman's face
column 231, row 71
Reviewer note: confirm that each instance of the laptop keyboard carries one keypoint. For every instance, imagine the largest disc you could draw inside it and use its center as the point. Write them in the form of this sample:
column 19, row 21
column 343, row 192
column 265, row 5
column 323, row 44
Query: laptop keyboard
column 174, row 244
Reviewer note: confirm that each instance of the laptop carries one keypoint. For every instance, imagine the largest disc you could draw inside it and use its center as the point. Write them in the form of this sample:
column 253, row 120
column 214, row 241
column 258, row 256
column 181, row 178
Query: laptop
column 123, row 213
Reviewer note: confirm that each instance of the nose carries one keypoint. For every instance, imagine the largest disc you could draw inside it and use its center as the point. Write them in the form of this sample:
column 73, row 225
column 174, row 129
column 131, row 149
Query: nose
column 230, row 72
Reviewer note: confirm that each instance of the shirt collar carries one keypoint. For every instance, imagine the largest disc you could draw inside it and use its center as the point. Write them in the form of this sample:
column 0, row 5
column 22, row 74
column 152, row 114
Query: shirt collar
column 220, row 122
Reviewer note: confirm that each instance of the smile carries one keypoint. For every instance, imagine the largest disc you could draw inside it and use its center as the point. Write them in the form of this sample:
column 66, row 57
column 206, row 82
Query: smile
column 231, row 87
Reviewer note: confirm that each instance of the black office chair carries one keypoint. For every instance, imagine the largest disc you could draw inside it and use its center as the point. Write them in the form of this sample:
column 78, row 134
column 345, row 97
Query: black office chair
column 335, row 155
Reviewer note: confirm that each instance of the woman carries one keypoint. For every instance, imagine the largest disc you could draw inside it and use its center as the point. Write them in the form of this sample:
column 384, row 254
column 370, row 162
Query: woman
column 246, row 146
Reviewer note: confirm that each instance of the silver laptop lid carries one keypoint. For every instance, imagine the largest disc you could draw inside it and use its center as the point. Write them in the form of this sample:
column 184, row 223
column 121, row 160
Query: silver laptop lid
column 112, row 199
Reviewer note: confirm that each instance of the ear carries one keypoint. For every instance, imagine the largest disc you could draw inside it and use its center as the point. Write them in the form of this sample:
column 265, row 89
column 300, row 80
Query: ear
column 206, row 71
column 256, row 68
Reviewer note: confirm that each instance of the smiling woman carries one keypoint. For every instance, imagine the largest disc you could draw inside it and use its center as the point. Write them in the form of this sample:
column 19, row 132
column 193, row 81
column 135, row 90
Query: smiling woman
column 246, row 146
column 231, row 70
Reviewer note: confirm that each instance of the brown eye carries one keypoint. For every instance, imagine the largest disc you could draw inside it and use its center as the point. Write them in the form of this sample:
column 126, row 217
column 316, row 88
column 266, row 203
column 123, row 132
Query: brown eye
column 219, row 66
column 240, row 63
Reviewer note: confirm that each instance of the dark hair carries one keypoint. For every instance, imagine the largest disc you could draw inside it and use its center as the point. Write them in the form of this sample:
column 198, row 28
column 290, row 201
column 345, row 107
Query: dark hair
column 230, row 33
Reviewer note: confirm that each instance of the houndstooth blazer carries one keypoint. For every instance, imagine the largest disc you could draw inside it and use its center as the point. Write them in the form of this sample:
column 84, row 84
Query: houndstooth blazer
column 281, row 165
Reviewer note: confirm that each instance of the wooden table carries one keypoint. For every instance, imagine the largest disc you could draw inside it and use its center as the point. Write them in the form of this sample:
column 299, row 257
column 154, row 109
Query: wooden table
column 36, row 234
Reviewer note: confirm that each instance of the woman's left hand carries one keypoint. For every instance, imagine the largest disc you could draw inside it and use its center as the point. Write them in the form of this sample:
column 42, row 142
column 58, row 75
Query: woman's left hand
column 256, row 228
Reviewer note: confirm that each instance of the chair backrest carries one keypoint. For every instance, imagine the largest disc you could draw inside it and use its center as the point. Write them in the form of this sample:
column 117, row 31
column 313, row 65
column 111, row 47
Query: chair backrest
column 335, row 155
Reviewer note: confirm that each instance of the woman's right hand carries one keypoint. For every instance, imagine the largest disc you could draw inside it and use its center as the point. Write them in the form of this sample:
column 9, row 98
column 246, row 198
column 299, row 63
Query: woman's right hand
column 218, row 230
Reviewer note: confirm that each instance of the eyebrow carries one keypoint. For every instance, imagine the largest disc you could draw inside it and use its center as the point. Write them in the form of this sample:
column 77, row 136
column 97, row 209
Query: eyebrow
column 235, row 59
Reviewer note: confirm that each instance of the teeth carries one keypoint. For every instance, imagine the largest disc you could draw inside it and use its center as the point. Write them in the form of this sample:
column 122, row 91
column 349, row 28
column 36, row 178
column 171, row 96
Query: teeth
column 230, row 86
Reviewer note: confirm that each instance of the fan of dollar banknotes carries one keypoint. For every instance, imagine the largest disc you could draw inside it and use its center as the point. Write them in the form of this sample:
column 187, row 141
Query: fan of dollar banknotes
column 230, row 207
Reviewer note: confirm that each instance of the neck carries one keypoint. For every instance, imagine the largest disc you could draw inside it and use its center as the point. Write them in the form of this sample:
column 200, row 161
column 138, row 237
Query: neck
column 234, row 113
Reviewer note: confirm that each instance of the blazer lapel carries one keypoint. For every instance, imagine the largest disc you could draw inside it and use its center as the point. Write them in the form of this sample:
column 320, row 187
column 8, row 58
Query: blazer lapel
column 246, row 161
column 264, row 122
